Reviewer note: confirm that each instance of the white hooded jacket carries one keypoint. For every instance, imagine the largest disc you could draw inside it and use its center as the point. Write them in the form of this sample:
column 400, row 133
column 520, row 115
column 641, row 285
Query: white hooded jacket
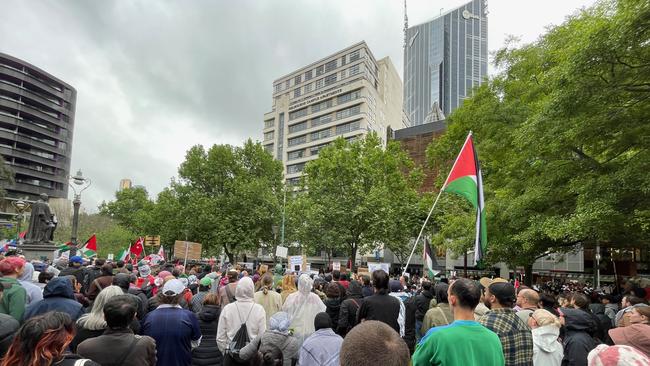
column 235, row 314
column 302, row 307
column 547, row 351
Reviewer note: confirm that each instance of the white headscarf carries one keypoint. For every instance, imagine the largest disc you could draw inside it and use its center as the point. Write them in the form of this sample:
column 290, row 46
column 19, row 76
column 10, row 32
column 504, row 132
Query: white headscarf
column 302, row 307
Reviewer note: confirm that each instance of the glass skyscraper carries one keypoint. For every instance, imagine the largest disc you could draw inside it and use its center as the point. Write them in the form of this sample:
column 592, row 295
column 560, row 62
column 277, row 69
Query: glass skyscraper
column 444, row 59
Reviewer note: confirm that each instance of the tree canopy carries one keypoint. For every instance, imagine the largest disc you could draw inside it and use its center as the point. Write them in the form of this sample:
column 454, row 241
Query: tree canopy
column 563, row 136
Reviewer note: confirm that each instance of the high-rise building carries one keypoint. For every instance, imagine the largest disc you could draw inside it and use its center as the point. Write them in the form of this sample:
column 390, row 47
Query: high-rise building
column 444, row 59
column 346, row 94
column 125, row 184
column 36, row 126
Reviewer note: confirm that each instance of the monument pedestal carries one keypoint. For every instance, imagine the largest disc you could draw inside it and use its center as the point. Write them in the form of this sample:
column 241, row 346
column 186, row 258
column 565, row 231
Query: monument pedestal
column 34, row 250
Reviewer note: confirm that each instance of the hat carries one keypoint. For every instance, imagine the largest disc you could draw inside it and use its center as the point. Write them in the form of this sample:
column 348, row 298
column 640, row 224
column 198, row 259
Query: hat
column 486, row 282
column 174, row 286
column 395, row 286
column 205, row 281
column 76, row 259
column 635, row 335
column 604, row 355
column 280, row 322
column 503, row 291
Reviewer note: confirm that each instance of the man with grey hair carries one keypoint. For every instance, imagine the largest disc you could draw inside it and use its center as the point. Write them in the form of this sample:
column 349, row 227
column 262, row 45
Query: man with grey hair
column 527, row 300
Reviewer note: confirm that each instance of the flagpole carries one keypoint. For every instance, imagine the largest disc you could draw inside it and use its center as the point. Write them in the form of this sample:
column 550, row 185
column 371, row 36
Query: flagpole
column 421, row 230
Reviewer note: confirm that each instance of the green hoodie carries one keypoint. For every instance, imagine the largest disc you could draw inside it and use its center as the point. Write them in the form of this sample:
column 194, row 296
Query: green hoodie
column 13, row 299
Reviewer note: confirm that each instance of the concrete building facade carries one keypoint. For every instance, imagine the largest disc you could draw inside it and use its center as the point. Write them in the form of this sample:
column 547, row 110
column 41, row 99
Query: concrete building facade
column 346, row 94
column 444, row 59
column 36, row 128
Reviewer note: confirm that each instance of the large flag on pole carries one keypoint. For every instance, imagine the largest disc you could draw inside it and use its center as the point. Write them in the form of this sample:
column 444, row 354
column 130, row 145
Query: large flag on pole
column 465, row 180
column 137, row 248
column 89, row 249
column 124, row 254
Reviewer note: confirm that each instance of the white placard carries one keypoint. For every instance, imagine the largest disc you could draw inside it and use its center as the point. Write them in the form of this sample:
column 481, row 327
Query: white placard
column 281, row 251
column 295, row 263
column 336, row 266
column 110, row 256
column 372, row 266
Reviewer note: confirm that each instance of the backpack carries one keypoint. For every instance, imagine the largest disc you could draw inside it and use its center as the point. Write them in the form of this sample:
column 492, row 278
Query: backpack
column 239, row 341
column 89, row 276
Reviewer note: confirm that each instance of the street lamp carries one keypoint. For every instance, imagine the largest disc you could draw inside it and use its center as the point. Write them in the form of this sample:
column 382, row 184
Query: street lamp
column 20, row 206
column 81, row 183
column 598, row 257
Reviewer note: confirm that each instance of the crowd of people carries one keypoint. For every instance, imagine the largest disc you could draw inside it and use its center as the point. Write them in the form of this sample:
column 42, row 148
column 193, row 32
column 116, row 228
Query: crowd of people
column 111, row 313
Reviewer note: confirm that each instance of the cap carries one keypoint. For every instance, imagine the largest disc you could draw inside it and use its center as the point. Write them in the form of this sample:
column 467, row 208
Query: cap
column 205, row 281
column 486, row 282
column 503, row 291
column 76, row 259
column 173, row 287
column 617, row 355
column 635, row 335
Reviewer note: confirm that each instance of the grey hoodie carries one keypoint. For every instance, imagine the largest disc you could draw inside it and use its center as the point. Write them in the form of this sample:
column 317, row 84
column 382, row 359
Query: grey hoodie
column 288, row 344
column 34, row 292
column 547, row 351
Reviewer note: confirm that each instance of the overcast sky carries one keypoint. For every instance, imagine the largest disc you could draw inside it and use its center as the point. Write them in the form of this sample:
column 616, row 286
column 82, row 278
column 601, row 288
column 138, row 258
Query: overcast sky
column 154, row 78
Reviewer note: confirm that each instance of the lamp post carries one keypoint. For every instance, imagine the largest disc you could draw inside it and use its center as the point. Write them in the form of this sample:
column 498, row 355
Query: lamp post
column 81, row 183
column 20, row 206
column 598, row 257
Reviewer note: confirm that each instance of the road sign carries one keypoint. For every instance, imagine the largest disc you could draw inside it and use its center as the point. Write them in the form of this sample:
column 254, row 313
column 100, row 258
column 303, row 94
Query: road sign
column 152, row 240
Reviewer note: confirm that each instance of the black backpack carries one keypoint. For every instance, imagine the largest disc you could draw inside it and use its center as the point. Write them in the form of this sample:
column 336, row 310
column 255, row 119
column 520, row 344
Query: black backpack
column 239, row 341
column 89, row 276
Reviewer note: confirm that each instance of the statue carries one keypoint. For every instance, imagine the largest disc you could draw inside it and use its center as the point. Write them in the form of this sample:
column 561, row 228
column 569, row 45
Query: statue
column 41, row 223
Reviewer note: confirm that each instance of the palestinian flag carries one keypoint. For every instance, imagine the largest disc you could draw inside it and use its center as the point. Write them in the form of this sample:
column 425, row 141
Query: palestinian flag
column 89, row 249
column 124, row 254
column 465, row 180
column 63, row 250
column 429, row 259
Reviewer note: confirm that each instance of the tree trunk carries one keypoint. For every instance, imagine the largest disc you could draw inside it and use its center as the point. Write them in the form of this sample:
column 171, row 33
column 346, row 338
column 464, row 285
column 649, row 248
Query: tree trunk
column 231, row 256
column 353, row 256
column 528, row 275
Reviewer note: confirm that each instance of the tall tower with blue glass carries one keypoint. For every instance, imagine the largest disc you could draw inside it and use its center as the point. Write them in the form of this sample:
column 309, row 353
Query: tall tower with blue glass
column 444, row 59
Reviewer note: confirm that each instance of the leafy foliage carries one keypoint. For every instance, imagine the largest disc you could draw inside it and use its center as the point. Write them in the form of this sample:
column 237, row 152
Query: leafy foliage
column 563, row 137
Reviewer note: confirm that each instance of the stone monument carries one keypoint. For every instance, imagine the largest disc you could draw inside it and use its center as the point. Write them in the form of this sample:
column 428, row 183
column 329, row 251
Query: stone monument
column 42, row 223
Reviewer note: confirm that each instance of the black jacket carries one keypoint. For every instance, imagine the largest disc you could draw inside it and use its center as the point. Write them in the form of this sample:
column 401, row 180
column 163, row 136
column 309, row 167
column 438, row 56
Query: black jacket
column 57, row 296
column 349, row 308
column 8, row 328
column 577, row 340
column 422, row 302
column 207, row 353
column 333, row 306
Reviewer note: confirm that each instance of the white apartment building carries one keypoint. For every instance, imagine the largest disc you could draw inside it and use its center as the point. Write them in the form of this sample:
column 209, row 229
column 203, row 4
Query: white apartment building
column 346, row 94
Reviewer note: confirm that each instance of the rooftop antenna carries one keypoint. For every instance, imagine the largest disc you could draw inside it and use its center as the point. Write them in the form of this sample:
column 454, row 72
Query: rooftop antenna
column 406, row 24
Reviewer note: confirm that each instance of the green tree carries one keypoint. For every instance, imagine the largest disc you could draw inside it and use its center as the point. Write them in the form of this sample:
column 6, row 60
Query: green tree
column 111, row 236
column 132, row 208
column 563, row 138
column 6, row 176
column 361, row 195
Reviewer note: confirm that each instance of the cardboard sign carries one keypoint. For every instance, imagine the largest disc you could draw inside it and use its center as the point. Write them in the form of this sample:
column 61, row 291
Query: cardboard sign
column 336, row 266
column 281, row 251
column 193, row 250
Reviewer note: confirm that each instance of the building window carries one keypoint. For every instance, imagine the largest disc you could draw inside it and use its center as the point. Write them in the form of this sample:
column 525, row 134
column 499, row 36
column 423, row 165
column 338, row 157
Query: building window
column 314, row 150
column 287, row 84
column 298, row 127
column 330, row 66
column 318, row 135
column 277, row 88
column 354, row 70
column 348, row 127
column 348, row 97
column 269, row 123
column 308, row 75
column 354, row 55
column 330, row 79
column 319, row 83
column 297, row 114
column 268, row 136
column 269, row 148
column 307, row 88
column 297, row 80
column 342, row 60
column 295, row 168
column 348, row 112
column 296, row 92
column 321, row 120
column 320, row 70
column 293, row 155
column 297, row 140
column 321, row 106
column 293, row 181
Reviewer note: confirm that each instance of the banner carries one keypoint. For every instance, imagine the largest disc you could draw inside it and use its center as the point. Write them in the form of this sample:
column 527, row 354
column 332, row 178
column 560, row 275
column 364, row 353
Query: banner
column 373, row 266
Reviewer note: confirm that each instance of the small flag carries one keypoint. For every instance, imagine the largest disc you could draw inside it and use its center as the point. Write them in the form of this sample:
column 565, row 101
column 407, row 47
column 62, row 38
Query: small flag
column 63, row 250
column 137, row 248
column 124, row 254
column 161, row 252
column 22, row 235
column 89, row 249
column 429, row 258
column 465, row 180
